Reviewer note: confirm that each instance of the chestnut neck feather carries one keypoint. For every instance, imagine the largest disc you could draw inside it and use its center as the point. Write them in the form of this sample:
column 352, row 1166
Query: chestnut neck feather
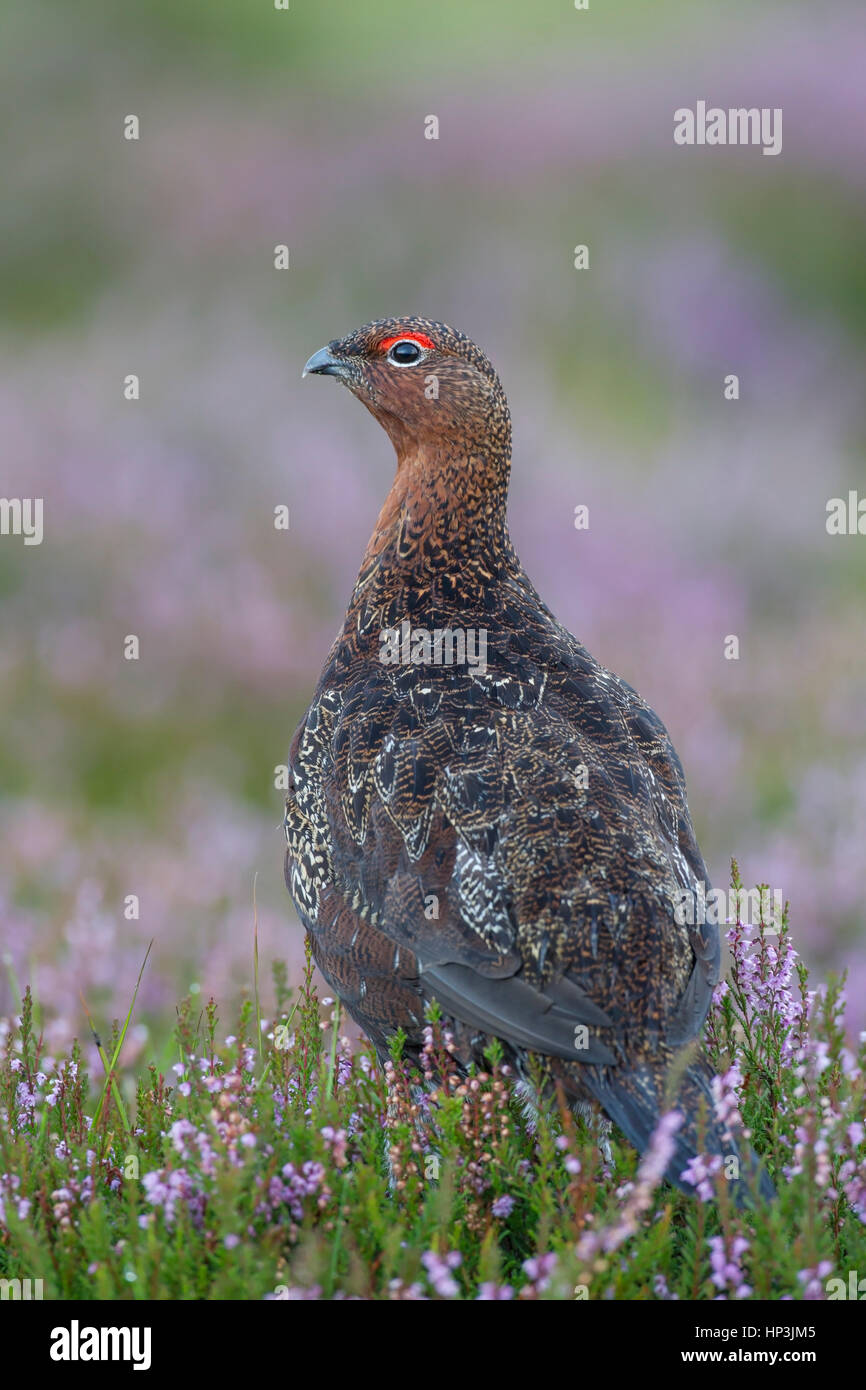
column 444, row 508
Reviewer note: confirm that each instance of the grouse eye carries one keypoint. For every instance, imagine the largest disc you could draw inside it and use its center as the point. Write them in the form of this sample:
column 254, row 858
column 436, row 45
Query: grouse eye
column 404, row 353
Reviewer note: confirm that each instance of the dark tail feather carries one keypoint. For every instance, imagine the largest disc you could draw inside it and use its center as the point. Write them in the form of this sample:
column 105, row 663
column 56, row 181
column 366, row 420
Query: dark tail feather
column 636, row 1100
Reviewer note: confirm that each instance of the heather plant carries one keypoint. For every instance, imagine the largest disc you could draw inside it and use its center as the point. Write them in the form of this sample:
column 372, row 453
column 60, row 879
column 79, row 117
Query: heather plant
column 279, row 1161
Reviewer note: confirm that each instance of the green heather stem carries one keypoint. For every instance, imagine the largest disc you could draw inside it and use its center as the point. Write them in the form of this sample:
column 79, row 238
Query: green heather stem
column 332, row 1066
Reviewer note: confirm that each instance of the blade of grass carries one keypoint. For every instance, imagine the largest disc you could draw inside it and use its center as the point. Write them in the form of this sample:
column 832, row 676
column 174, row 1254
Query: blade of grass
column 276, row 1044
column 120, row 1041
column 103, row 1058
column 256, row 966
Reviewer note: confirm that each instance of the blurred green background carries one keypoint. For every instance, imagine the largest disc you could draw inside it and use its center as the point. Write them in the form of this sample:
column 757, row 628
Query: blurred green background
column 156, row 257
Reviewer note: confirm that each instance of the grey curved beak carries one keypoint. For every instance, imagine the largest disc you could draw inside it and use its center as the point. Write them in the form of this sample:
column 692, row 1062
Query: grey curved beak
column 323, row 363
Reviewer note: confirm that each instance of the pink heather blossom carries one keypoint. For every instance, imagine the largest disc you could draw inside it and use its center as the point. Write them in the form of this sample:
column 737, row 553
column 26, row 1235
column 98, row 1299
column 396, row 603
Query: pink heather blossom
column 808, row 1144
column 293, row 1188
column 439, row 1269
column 661, row 1290
column 700, row 1171
column 725, row 1259
column 813, row 1280
column 852, row 1178
column 336, row 1142
column 179, row 1133
column 726, row 1099
column 540, row 1269
column 167, row 1188
column 638, row 1199
column 406, row 1293
column 766, row 973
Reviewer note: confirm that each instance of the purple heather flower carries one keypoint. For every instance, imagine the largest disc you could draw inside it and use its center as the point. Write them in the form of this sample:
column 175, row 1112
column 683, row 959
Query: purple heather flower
column 336, row 1142
column 503, row 1206
column 661, row 1290
column 852, row 1178
column 540, row 1269
column 439, row 1269
column 165, row 1188
column 813, row 1280
column 179, row 1132
column 407, row 1293
column 725, row 1264
column 725, row 1090
column 638, row 1198
column 700, row 1171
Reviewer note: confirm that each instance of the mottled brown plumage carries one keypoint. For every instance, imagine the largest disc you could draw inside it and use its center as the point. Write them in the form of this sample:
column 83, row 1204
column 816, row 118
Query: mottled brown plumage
column 538, row 806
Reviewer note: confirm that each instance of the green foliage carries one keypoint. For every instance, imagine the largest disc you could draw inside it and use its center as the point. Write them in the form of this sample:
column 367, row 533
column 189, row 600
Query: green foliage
column 305, row 1171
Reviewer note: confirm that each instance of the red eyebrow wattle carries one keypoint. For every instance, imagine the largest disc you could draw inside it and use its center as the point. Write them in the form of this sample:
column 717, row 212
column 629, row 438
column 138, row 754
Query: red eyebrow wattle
column 420, row 338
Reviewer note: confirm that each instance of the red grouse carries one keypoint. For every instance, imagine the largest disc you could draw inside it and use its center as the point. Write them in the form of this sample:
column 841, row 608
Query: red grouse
column 478, row 812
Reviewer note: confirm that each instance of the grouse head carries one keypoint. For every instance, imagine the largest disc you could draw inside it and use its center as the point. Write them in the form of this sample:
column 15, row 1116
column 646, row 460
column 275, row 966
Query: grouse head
column 428, row 386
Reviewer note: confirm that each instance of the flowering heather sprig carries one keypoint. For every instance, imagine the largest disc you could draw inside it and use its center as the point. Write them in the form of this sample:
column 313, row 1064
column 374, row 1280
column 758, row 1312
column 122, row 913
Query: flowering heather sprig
column 491, row 1293
column 249, row 1174
column 473, row 1108
column 439, row 1271
column 661, row 1290
column 292, row 1189
column 813, row 1280
column 166, row 1189
column 700, row 1172
column 764, row 980
column 539, row 1271
column 726, row 1099
column 336, row 1142
column 766, row 986
column 811, row 1146
column 725, row 1257
column 852, row 1178
column 650, row 1172
column 406, row 1293
column 406, row 1137
column 67, row 1072
column 10, row 1186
